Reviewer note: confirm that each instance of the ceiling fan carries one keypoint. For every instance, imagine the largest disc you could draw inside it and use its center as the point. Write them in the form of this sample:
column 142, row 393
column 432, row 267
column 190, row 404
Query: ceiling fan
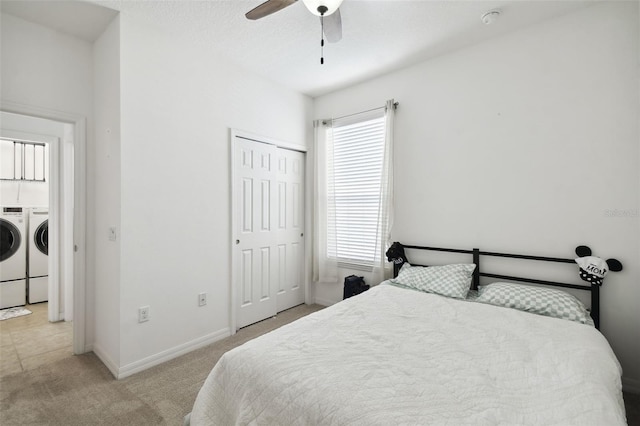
column 327, row 10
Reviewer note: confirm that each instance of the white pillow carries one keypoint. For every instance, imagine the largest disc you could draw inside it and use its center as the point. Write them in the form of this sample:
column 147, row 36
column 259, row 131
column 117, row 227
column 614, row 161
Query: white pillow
column 446, row 280
column 537, row 300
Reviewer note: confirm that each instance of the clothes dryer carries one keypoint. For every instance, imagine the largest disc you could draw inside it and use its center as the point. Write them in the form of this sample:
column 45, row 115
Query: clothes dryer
column 38, row 271
column 13, row 257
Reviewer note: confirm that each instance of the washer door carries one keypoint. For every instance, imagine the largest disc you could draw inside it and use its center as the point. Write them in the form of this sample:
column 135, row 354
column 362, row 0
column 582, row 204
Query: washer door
column 9, row 239
column 41, row 237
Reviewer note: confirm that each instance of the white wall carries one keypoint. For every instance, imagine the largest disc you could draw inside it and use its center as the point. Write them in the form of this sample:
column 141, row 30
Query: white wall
column 178, row 105
column 44, row 67
column 45, row 70
column 106, row 166
column 25, row 194
column 524, row 143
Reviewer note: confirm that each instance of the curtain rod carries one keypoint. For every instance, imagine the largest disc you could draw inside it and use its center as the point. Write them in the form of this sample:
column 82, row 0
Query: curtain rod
column 395, row 105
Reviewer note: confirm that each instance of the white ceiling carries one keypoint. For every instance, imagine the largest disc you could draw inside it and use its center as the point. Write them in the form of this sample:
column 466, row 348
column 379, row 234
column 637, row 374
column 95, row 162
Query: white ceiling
column 378, row 36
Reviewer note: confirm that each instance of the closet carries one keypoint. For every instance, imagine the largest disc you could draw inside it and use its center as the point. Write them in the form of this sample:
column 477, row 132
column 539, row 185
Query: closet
column 268, row 229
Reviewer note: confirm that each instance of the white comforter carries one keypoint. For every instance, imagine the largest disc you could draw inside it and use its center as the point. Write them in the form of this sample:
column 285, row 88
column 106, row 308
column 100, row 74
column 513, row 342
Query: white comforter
column 394, row 356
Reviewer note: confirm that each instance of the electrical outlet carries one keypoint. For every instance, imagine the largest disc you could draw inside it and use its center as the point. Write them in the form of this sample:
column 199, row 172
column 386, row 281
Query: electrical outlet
column 144, row 314
column 202, row 299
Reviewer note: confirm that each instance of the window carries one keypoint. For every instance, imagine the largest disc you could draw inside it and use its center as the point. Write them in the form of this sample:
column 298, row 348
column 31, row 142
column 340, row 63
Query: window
column 353, row 194
column 354, row 171
column 23, row 161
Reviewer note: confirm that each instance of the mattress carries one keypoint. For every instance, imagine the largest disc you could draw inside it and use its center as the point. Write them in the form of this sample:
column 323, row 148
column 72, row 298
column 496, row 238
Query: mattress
column 398, row 356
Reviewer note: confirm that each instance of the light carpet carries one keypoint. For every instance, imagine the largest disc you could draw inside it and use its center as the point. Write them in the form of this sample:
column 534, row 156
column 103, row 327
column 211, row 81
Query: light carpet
column 79, row 390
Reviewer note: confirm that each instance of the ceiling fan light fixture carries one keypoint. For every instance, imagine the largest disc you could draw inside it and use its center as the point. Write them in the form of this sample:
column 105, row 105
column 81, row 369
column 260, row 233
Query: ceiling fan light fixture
column 318, row 6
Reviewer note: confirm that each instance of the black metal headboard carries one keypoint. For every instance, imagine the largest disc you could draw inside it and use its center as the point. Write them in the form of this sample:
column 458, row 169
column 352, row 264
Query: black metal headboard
column 397, row 256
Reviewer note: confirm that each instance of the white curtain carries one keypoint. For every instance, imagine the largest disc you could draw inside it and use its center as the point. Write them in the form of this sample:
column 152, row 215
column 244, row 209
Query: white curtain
column 325, row 269
column 382, row 269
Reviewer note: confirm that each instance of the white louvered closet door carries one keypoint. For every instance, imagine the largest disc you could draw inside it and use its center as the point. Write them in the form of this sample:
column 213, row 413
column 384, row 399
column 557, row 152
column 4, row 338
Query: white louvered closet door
column 268, row 216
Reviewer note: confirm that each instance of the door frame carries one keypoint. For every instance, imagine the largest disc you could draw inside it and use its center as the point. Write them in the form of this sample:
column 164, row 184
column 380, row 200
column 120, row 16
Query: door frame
column 74, row 253
column 235, row 133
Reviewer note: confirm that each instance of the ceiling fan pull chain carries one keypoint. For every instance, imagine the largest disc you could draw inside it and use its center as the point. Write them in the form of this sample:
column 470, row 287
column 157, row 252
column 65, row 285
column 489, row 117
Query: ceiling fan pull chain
column 322, row 39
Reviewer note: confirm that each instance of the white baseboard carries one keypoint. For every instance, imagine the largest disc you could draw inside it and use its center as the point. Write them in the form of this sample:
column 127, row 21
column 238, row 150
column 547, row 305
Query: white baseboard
column 325, row 302
column 106, row 360
column 160, row 357
column 631, row 385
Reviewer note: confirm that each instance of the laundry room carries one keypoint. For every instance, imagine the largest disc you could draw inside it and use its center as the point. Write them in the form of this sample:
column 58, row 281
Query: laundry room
column 24, row 210
column 36, row 251
column 36, row 208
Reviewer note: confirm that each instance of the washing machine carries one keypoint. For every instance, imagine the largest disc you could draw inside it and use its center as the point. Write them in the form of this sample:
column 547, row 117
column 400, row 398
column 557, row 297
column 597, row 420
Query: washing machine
column 38, row 250
column 13, row 257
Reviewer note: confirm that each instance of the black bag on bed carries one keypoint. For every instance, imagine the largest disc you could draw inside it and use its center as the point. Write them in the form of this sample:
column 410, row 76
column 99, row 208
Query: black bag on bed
column 353, row 285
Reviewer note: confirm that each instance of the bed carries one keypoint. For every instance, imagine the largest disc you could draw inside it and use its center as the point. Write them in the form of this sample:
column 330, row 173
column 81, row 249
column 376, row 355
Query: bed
column 397, row 355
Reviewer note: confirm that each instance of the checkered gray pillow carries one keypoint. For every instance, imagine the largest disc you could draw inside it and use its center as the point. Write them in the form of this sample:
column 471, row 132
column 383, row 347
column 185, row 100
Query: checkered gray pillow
column 537, row 300
column 446, row 280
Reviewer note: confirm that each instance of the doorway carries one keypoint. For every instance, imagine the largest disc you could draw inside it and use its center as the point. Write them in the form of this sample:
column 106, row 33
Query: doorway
column 25, row 180
column 67, row 215
column 268, row 184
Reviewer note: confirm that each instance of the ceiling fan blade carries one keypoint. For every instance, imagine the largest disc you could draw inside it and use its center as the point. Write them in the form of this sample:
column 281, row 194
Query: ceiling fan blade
column 333, row 27
column 267, row 8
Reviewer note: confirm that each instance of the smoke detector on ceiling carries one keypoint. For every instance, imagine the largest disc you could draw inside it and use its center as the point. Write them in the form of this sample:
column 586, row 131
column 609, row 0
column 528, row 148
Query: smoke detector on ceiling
column 490, row 17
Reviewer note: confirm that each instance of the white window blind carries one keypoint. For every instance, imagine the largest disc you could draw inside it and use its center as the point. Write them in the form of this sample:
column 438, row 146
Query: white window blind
column 353, row 190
